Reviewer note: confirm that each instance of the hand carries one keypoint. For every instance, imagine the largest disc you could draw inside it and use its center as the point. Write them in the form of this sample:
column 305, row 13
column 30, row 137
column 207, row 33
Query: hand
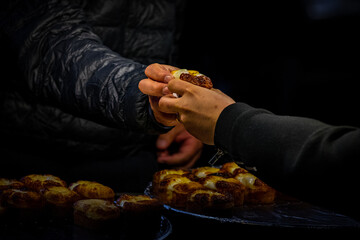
column 198, row 108
column 156, row 86
column 187, row 148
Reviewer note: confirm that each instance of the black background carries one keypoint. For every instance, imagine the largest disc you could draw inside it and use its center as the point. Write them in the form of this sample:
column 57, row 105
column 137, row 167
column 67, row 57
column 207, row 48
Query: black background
column 291, row 57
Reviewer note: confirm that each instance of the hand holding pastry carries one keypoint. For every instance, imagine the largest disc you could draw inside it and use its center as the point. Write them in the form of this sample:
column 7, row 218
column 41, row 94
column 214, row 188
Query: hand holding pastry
column 198, row 108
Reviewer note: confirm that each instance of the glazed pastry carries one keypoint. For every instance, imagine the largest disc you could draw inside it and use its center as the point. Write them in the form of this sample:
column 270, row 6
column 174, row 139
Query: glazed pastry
column 193, row 77
column 95, row 213
column 138, row 204
column 10, row 183
column 37, row 182
column 90, row 189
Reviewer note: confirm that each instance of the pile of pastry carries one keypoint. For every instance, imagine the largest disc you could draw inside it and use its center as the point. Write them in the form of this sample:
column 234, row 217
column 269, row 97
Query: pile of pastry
column 90, row 204
column 208, row 188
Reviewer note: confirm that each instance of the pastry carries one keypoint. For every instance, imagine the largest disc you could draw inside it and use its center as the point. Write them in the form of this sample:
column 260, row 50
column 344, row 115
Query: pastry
column 256, row 191
column 10, row 183
column 95, row 213
column 37, row 182
column 193, row 77
column 174, row 190
column 60, row 196
column 225, row 185
column 138, row 204
column 90, row 189
column 24, row 199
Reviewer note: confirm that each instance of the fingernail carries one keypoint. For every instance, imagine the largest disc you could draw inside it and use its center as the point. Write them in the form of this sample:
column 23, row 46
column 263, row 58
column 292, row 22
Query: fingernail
column 167, row 78
column 166, row 91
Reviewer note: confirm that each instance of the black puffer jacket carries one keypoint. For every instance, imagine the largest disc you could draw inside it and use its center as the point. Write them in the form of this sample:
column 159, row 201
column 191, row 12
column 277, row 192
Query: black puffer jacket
column 70, row 102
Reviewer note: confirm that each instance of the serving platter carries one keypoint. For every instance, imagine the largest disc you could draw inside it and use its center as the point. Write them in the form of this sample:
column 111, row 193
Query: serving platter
column 285, row 213
column 45, row 226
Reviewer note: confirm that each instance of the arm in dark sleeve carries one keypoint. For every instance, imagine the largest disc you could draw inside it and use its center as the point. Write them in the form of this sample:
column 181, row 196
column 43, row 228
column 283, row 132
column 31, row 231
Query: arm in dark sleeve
column 67, row 66
column 301, row 156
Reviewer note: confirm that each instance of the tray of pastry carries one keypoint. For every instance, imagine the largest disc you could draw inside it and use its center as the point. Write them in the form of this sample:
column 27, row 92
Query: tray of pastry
column 43, row 206
column 231, row 194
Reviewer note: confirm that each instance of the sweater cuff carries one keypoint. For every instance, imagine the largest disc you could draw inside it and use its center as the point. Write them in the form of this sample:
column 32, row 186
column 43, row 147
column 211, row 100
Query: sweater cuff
column 156, row 125
column 224, row 129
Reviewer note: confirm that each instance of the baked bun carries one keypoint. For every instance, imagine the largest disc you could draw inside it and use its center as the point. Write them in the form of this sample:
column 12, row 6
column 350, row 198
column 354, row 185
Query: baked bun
column 94, row 190
column 206, row 199
column 256, row 191
column 10, row 183
column 203, row 172
column 232, row 169
column 138, row 204
column 60, row 196
column 160, row 175
column 209, row 188
column 225, row 185
column 37, row 182
column 174, row 190
column 22, row 199
column 95, row 213
column 193, row 77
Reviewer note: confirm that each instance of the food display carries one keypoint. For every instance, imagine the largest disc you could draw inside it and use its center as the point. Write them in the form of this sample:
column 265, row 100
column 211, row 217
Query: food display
column 228, row 193
column 88, row 204
column 207, row 188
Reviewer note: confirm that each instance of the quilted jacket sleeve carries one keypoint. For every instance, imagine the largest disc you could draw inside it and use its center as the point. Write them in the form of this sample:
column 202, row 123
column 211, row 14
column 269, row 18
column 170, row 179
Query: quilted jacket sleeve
column 66, row 65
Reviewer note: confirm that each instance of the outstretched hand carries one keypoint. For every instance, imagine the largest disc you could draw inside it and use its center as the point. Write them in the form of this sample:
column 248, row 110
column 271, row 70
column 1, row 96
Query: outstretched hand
column 197, row 108
column 177, row 147
column 155, row 86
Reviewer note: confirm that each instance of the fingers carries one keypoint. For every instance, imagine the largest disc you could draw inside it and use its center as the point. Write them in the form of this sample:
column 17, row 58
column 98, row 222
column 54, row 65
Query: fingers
column 168, row 104
column 160, row 72
column 180, row 86
column 152, row 88
column 166, row 119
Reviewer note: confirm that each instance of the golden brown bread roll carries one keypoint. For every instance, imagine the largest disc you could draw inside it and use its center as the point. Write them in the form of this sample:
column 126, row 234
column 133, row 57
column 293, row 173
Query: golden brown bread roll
column 95, row 213
column 6, row 183
column 256, row 191
column 206, row 199
column 60, row 196
column 37, row 182
column 225, row 185
column 138, row 204
column 174, row 190
column 90, row 189
column 23, row 199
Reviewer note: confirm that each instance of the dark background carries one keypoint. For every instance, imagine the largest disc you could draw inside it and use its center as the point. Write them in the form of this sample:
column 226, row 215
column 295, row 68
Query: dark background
column 298, row 57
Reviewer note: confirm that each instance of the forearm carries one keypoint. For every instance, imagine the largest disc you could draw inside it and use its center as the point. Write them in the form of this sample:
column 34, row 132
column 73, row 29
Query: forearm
column 298, row 155
column 66, row 65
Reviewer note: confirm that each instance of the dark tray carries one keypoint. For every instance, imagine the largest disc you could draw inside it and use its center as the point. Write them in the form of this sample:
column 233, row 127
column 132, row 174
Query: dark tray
column 285, row 213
